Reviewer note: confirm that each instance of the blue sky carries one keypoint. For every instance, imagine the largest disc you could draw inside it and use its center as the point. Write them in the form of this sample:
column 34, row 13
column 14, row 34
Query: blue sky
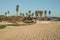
column 33, row 5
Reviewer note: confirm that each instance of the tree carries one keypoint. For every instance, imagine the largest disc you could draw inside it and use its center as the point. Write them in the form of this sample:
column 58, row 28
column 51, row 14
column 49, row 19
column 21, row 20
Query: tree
column 41, row 13
column 17, row 9
column 45, row 12
column 36, row 14
column 21, row 14
column 29, row 13
column 26, row 14
column 32, row 14
column 5, row 13
column 8, row 12
column 49, row 12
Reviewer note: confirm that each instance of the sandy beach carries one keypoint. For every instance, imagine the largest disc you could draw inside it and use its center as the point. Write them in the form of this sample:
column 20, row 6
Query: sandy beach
column 40, row 31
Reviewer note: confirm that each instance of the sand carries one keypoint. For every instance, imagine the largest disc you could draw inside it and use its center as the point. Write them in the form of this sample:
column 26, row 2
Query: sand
column 4, row 23
column 38, row 31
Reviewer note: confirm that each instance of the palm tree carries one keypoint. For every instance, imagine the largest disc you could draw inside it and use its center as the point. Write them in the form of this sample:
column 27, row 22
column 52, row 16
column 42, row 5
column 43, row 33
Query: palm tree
column 45, row 12
column 20, row 14
column 32, row 14
column 36, row 14
column 17, row 9
column 8, row 12
column 5, row 13
column 41, row 13
column 49, row 12
column 29, row 13
column 23, row 14
column 26, row 14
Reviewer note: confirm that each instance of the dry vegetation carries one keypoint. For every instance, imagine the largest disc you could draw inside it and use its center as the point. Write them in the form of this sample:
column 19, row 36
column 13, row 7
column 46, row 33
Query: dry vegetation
column 48, row 31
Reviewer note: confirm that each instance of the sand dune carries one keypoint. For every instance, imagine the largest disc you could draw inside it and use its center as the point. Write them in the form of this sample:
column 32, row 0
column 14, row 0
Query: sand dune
column 49, row 31
column 43, row 22
column 4, row 23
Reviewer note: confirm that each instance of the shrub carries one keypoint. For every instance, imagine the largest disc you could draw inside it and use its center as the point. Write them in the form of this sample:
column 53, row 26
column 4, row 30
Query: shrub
column 28, row 21
column 2, row 26
column 12, row 24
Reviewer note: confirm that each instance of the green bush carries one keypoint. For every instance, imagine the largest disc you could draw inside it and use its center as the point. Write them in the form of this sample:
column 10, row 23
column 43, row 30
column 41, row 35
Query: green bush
column 2, row 26
column 12, row 24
